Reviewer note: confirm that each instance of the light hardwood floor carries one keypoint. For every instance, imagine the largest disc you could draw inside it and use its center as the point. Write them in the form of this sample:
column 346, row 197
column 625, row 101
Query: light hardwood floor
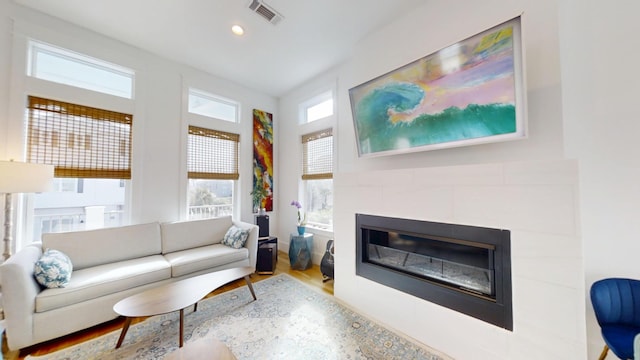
column 311, row 277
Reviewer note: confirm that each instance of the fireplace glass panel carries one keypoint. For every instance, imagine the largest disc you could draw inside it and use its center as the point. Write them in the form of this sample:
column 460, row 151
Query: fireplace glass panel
column 462, row 265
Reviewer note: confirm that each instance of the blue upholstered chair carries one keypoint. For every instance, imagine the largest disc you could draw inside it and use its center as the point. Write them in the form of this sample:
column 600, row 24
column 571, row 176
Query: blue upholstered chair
column 616, row 303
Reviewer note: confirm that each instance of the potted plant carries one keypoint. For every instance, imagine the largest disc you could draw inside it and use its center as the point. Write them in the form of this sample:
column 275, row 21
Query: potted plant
column 302, row 220
column 258, row 194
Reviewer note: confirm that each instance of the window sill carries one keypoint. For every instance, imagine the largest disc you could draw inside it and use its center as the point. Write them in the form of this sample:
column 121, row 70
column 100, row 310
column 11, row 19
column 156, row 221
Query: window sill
column 320, row 232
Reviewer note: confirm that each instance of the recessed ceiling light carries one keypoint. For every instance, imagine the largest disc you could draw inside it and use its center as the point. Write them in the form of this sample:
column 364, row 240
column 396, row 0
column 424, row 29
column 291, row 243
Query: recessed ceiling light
column 237, row 29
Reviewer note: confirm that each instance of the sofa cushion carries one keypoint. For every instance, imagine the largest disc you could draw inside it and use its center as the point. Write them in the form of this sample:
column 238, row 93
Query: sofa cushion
column 183, row 235
column 104, row 246
column 53, row 269
column 93, row 282
column 202, row 258
column 235, row 237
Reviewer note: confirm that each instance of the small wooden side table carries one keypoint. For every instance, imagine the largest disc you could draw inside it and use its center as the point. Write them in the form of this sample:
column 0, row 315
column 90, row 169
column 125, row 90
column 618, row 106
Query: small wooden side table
column 300, row 251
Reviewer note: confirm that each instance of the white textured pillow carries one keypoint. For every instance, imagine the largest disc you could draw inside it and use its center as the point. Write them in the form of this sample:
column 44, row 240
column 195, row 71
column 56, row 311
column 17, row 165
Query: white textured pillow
column 235, row 237
column 53, row 269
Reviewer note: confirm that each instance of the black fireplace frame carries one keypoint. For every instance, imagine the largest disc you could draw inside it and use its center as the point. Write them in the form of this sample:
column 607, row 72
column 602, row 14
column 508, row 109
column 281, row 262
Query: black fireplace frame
column 496, row 310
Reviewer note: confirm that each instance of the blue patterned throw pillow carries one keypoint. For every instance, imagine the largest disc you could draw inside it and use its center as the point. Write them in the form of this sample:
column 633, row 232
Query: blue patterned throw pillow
column 235, row 237
column 53, row 269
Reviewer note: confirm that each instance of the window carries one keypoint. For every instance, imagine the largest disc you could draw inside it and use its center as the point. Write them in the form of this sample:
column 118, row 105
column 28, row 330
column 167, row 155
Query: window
column 212, row 106
column 91, row 151
column 317, row 173
column 62, row 66
column 95, row 203
column 69, row 185
column 317, row 108
column 212, row 165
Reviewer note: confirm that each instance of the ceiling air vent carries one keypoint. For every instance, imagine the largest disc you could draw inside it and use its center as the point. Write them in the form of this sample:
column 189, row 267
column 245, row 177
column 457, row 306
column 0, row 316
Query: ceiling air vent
column 264, row 10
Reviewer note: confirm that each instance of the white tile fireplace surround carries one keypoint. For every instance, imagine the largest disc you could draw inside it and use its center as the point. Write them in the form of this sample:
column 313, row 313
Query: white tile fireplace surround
column 536, row 201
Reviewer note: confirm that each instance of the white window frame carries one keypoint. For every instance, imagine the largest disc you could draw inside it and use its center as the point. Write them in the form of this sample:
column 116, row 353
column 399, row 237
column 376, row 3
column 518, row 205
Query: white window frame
column 23, row 84
column 215, row 99
column 225, row 171
column 315, row 101
column 306, row 127
column 314, row 176
column 194, row 119
column 37, row 47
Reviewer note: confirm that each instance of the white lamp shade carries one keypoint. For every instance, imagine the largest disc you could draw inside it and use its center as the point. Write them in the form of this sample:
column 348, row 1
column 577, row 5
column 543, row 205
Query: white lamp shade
column 20, row 177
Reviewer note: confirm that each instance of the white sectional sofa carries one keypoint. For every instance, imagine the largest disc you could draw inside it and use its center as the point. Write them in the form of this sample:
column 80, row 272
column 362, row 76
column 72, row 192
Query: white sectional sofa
column 109, row 265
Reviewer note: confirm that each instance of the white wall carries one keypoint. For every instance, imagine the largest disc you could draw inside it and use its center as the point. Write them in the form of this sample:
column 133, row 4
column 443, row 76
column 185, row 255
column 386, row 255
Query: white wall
column 600, row 97
column 290, row 157
column 550, row 305
column 536, row 201
column 5, row 66
column 439, row 24
column 159, row 134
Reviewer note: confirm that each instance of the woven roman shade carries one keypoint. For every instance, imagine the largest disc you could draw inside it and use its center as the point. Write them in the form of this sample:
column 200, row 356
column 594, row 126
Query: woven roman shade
column 212, row 154
column 80, row 141
column 317, row 155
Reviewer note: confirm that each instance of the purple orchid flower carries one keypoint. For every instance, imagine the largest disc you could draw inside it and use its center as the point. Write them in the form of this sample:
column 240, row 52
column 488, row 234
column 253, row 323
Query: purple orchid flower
column 302, row 221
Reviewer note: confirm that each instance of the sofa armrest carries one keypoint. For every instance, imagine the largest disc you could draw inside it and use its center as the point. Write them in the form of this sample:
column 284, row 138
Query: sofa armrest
column 252, row 241
column 19, row 290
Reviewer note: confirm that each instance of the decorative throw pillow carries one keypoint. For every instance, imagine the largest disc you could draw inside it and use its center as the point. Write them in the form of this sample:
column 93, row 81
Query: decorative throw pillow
column 235, row 237
column 53, row 269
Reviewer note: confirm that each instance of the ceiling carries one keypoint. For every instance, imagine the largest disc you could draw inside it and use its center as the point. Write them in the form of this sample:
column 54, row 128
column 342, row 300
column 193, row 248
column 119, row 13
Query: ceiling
column 312, row 37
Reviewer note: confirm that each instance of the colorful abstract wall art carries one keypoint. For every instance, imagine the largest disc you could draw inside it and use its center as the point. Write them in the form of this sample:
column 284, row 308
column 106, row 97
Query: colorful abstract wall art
column 262, row 160
column 468, row 93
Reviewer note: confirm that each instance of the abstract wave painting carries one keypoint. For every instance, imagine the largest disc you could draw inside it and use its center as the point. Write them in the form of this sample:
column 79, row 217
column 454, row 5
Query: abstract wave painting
column 467, row 93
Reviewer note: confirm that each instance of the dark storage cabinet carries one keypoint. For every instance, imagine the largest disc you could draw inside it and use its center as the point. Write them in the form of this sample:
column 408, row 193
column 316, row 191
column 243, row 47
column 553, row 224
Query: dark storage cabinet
column 267, row 255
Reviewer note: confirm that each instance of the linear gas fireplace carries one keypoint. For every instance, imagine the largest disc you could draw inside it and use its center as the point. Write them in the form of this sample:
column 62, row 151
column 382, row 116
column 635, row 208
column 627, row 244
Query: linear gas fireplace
column 464, row 268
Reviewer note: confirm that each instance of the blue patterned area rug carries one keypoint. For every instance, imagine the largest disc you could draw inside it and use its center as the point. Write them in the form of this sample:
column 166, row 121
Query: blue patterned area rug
column 290, row 320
